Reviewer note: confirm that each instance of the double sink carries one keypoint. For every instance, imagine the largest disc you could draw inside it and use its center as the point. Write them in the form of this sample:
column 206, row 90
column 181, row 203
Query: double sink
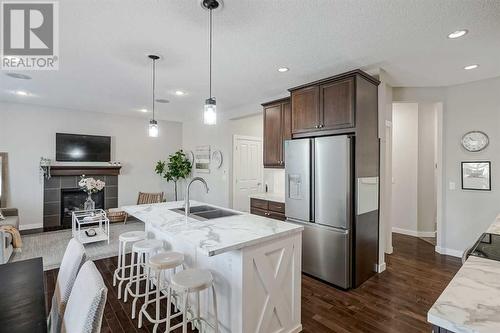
column 205, row 212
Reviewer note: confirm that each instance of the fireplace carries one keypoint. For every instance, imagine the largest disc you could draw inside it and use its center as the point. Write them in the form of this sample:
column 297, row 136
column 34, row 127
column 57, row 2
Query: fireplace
column 73, row 199
column 65, row 179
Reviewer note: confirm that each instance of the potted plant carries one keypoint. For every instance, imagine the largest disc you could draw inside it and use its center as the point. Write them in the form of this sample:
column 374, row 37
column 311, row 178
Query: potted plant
column 175, row 168
column 89, row 186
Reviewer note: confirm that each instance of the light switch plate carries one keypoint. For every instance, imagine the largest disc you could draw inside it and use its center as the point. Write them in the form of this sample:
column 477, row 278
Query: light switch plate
column 452, row 186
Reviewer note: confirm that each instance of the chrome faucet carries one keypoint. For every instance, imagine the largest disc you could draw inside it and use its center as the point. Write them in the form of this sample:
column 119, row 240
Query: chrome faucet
column 187, row 207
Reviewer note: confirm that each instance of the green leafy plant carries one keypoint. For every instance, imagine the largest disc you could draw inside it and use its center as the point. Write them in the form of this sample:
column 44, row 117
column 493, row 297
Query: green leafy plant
column 175, row 168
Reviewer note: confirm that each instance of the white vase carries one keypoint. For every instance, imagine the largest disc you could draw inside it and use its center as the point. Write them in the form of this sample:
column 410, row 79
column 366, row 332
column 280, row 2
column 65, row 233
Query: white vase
column 89, row 203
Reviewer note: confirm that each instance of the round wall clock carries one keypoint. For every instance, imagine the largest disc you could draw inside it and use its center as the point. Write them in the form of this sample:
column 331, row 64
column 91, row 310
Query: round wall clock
column 475, row 141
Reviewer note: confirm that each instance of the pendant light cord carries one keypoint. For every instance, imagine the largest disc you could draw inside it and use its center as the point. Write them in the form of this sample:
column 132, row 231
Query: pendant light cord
column 154, row 86
column 210, row 52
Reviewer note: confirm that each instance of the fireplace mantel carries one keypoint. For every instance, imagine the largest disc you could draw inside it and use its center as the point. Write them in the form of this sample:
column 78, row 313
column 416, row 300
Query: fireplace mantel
column 87, row 170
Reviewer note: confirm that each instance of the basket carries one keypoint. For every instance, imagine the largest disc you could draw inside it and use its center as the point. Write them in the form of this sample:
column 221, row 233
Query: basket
column 115, row 215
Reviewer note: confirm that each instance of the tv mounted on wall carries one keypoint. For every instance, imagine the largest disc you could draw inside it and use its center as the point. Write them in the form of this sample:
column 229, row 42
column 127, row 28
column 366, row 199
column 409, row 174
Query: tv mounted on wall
column 82, row 148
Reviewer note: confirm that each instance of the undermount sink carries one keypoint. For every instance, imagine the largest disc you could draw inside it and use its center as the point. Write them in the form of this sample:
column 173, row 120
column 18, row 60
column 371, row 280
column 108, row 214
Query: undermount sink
column 205, row 212
column 196, row 209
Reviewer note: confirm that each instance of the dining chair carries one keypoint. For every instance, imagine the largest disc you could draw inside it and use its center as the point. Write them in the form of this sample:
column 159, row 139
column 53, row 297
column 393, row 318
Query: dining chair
column 86, row 303
column 149, row 198
column 73, row 259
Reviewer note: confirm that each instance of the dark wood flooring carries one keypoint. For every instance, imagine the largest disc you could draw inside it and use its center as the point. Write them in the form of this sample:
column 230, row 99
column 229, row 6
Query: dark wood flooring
column 396, row 300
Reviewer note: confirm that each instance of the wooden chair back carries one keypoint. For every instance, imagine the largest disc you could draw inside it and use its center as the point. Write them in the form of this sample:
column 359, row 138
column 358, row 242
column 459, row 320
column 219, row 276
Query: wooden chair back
column 149, row 198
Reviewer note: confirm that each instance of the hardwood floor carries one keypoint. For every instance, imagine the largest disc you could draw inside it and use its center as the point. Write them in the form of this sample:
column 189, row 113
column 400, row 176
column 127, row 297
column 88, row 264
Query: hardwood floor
column 396, row 300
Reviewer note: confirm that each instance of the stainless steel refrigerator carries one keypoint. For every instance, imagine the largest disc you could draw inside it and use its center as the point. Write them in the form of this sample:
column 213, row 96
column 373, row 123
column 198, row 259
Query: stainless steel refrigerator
column 319, row 182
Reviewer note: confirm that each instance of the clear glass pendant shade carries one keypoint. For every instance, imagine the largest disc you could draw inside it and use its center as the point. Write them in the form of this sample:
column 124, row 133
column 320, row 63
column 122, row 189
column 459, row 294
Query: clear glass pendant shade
column 153, row 129
column 210, row 112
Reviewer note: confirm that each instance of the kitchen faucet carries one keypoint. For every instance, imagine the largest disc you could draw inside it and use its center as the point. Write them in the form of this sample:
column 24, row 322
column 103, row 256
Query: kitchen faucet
column 187, row 207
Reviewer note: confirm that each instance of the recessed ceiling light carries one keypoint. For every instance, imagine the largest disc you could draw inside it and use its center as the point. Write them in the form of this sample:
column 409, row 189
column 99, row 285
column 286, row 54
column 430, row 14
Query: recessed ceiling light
column 180, row 93
column 283, row 69
column 19, row 76
column 471, row 67
column 143, row 110
column 162, row 100
column 21, row 93
column 457, row 34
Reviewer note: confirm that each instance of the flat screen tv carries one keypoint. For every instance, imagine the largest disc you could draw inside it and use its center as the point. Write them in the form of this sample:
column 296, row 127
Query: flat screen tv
column 82, row 148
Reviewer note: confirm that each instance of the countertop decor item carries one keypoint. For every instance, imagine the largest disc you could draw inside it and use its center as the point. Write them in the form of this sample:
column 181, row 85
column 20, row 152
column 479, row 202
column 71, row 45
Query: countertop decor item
column 217, row 159
column 45, row 164
column 177, row 167
column 90, row 186
column 476, row 176
column 475, row 141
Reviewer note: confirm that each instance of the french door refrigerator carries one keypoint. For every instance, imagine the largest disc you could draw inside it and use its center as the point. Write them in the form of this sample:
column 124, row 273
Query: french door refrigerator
column 319, row 182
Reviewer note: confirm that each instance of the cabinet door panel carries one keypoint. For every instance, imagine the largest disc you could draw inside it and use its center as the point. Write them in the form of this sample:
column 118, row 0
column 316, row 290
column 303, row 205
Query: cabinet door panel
column 286, row 128
column 272, row 136
column 337, row 104
column 257, row 211
column 305, row 109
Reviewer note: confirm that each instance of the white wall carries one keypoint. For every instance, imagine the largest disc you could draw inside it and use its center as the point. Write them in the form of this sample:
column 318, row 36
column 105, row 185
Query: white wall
column 426, row 211
column 28, row 132
column 219, row 137
column 404, row 167
column 471, row 106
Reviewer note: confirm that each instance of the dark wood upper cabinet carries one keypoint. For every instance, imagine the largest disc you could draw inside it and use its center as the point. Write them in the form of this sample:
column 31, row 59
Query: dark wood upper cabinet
column 305, row 109
column 337, row 104
column 277, row 128
column 287, row 120
column 272, row 135
column 327, row 106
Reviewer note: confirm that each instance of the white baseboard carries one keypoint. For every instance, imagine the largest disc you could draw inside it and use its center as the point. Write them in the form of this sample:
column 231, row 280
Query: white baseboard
column 414, row 233
column 381, row 267
column 30, row 226
column 449, row 252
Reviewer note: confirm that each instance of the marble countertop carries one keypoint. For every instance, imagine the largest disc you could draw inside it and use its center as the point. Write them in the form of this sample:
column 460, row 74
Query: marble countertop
column 277, row 197
column 214, row 236
column 494, row 227
column 471, row 301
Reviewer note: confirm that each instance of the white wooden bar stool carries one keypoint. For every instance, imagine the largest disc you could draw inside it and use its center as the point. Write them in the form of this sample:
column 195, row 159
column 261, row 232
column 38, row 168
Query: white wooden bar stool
column 192, row 281
column 141, row 252
column 159, row 263
column 120, row 273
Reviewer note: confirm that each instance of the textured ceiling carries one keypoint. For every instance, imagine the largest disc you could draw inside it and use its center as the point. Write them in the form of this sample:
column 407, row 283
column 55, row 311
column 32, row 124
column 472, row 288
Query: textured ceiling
column 103, row 47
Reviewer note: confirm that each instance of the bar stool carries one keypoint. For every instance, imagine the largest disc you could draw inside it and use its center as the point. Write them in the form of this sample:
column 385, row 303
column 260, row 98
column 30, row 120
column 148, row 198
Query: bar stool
column 141, row 252
column 119, row 274
column 160, row 263
column 192, row 281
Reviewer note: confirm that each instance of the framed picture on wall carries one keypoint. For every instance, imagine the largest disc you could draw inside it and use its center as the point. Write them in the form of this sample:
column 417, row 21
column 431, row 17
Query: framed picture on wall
column 476, row 176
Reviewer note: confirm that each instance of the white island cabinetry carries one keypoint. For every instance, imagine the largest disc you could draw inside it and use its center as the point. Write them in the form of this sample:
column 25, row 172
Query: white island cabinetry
column 255, row 261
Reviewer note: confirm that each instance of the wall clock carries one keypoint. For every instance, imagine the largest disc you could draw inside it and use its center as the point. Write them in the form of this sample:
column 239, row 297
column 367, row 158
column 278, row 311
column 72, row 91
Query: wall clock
column 475, row 141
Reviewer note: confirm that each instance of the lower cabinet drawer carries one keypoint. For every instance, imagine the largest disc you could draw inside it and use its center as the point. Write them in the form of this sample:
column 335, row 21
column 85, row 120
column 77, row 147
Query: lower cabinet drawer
column 258, row 203
column 266, row 213
column 277, row 207
column 257, row 211
column 277, row 216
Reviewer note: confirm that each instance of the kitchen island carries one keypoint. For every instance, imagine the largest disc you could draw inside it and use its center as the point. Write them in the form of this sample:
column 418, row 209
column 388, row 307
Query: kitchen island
column 255, row 261
column 471, row 301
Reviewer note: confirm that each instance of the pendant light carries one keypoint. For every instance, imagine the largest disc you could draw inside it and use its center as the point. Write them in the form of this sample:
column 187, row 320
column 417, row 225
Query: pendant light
column 210, row 109
column 153, row 124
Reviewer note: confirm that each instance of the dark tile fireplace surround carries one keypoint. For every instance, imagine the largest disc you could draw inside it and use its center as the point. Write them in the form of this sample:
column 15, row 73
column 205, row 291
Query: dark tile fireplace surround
column 61, row 193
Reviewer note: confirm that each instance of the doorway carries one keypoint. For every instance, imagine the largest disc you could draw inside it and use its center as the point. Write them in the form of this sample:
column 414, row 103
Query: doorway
column 247, row 170
column 416, row 170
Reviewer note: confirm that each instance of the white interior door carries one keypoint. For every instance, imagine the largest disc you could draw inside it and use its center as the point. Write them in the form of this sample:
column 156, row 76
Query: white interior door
column 247, row 170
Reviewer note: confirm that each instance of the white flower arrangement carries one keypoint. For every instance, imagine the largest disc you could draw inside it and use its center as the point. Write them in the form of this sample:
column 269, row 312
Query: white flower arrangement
column 91, row 185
